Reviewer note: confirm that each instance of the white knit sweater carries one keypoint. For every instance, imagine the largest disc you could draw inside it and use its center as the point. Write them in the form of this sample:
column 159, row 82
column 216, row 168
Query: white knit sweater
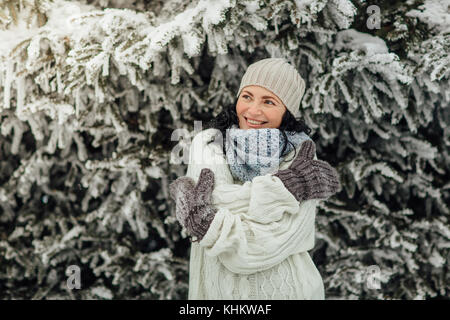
column 256, row 246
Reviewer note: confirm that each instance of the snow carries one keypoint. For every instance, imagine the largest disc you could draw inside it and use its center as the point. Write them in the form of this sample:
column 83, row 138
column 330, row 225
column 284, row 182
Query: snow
column 6, row 82
column 59, row 112
column 355, row 40
column 14, row 35
column 251, row 6
column 342, row 12
column 102, row 292
column 435, row 13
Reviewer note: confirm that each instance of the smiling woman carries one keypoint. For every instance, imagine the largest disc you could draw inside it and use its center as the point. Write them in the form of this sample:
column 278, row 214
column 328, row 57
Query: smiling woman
column 252, row 222
column 258, row 108
column 269, row 96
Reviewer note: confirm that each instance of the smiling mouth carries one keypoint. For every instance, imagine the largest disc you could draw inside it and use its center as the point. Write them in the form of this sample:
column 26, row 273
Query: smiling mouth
column 254, row 122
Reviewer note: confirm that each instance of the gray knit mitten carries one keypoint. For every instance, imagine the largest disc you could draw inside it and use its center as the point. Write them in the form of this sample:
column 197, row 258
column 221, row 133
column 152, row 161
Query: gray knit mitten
column 193, row 203
column 307, row 178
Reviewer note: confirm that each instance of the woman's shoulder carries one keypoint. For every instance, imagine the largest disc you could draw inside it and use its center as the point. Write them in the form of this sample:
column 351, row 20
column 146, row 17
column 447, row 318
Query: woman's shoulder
column 205, row 146
column 208, row 155
column 205, row 136
column 210, row 139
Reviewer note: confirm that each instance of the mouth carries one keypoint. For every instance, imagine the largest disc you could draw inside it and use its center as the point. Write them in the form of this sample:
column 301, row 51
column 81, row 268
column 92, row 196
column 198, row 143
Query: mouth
column 254, row 123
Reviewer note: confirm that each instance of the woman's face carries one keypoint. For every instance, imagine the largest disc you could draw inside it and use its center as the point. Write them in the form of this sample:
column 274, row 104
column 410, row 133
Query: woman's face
column 259, row 108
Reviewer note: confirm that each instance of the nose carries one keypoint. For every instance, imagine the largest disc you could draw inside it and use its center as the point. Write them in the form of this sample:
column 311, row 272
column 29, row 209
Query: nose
column 255, row 108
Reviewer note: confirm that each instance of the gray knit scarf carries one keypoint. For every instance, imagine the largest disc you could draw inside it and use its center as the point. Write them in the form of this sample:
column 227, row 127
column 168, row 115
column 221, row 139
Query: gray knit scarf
column 256, row 152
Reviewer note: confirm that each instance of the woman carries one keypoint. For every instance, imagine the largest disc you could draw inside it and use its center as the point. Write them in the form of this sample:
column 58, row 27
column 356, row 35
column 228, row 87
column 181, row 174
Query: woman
column 252, row 222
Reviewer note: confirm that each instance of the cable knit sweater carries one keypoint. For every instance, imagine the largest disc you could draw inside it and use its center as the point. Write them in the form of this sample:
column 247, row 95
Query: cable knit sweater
column 256, row 246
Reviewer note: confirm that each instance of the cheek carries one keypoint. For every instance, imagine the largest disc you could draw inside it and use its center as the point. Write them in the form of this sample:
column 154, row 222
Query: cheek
column 275, row 116
column 240, row 108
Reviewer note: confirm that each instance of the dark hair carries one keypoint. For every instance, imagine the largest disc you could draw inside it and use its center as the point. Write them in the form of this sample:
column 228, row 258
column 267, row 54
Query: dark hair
column 225, row 119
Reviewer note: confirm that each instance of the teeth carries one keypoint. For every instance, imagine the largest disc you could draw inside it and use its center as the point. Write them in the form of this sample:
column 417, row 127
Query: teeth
column 254, row 122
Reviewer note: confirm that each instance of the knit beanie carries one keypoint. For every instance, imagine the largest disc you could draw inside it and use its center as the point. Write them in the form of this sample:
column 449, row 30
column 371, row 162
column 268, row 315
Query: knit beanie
column 278, row 76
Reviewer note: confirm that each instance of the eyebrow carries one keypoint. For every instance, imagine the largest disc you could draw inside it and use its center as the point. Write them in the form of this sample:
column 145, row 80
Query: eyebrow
column 264, row 97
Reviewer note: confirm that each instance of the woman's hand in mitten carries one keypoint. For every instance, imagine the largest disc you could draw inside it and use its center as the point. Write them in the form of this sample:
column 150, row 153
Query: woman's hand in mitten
column 307, row 178
column 193, row 202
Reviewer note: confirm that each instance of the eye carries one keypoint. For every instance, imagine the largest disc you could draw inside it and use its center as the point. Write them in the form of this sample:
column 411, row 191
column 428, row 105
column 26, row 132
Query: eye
column 245, row 96
column 269, row 102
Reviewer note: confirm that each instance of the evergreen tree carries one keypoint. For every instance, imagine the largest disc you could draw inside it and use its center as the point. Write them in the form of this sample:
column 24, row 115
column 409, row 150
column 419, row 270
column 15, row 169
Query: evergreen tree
column 92, row 92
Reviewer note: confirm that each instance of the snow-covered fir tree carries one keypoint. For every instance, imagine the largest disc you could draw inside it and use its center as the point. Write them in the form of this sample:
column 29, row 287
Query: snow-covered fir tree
column 92, row 90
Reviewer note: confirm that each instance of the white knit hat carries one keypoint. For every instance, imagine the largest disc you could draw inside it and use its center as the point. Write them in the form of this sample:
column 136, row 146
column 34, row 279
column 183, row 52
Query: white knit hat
column 278, row 76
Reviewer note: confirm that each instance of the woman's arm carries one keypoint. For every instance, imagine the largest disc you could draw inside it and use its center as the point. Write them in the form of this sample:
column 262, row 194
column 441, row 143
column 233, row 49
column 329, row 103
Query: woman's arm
column 258, row 224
